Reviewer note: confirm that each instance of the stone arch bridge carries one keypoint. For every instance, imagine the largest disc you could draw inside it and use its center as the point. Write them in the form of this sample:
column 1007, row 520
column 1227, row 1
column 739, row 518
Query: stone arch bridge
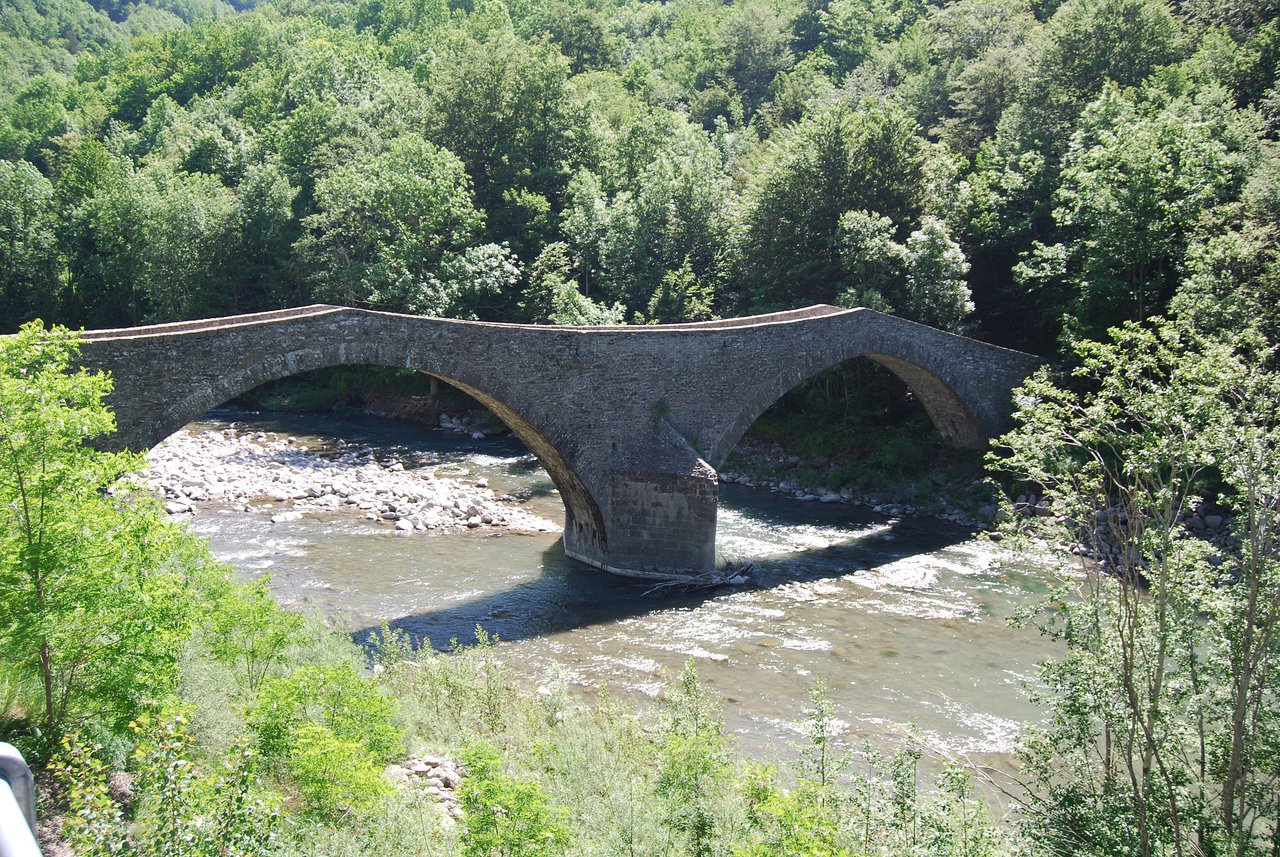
column 630, row 422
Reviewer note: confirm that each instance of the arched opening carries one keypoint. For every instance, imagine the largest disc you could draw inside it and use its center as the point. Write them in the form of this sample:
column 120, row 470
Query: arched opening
column 863, row 423
column 583, row 522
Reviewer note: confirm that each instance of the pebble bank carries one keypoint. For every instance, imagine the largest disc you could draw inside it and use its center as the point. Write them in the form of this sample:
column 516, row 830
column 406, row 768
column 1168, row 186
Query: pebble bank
column 284, row 480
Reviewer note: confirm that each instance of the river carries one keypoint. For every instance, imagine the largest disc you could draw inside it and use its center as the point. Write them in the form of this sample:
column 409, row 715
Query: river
column 905, row 620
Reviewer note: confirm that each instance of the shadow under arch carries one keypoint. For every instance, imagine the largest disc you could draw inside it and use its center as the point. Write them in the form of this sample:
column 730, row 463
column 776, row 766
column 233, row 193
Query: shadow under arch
column 583, row 519
column 946, row 409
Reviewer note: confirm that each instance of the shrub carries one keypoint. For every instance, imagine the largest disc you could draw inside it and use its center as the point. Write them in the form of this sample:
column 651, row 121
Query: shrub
column 505, row 816
column 335, row 776
column 181, row 808
column 351, row 707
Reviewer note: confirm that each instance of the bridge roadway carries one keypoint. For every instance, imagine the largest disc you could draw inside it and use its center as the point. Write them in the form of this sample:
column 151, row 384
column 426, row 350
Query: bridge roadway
column 630, row 422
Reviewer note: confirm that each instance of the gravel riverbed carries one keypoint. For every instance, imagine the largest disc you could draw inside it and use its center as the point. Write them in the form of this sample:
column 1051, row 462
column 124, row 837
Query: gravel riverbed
column 285, row 479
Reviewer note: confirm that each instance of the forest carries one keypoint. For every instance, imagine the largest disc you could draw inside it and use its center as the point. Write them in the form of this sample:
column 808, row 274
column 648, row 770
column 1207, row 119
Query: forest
column 1025, row 172
column 1093, row 181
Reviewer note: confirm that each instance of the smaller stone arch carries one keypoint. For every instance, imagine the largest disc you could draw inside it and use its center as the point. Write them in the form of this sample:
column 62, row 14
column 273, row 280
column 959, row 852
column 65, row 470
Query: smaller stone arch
column 941, row 395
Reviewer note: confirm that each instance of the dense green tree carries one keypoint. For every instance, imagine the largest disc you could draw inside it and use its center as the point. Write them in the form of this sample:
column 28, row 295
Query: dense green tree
column 185, row 63
column 922, row 279
column 1162, row 737
column 35, row 115
column 499, row 104
column 853, row 28
column 872, row 260
column 157, row 240
column 1085, row 44
column 981, row 47
column 681, row 296
column 529, row 94
column 1137, row 181
column 384, row 230
column 1003, row 207
column 553, row 296
column 675, row 216
column 755, row 44
column 28, row 255
column 580, row 32
column 263, row 276
column 839, row 161
column 88, row 175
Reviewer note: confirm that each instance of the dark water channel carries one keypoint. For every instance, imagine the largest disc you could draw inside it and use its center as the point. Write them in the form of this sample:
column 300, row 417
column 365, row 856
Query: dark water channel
column 905, row 620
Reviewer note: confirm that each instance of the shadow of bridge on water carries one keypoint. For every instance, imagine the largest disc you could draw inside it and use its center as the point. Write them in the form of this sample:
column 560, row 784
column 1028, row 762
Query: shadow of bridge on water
column 568, row 596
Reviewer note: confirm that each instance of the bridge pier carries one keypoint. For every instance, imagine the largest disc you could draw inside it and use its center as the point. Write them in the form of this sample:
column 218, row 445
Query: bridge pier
column 661, row 525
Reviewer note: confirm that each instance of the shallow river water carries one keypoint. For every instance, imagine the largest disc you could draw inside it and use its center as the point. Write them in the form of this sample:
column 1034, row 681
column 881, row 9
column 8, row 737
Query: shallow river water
column 905, row 620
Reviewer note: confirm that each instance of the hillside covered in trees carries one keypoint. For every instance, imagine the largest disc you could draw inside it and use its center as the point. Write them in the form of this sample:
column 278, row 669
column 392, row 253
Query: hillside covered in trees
column 1009, row 168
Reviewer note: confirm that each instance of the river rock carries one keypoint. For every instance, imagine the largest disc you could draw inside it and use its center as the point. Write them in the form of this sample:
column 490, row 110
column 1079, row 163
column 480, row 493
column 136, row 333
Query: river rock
column 234, row 466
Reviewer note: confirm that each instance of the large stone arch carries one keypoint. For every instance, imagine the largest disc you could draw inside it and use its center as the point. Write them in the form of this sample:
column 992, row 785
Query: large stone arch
column 584, row 524
column 628, row 421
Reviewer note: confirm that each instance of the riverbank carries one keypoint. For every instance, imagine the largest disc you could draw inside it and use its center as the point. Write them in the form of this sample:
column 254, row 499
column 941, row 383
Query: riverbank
column 454, row 753
column 261, row 472
column 772, row 467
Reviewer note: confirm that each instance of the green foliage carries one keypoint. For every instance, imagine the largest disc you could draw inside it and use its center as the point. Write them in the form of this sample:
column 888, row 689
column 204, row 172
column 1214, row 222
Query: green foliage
column 93, row 823
column 1138, row 180
column 922, row 280
column 187, row 219
column 693, row 764
column 72, row 534
column 1160, row 728
column 329, row 730
column 802, row 821
column 349, row 706
column 1087, row 43
column 384, row 231
column 181, row 808
column 187, row 810
column 498, row 104
column 28, row 260
column 335, row 776
column 553, row 297
column 842, row 160
column 670, row 214
column 422, row 157
column 1007, row 167
column 853, row 30
column 681, row 297
column 504, row 816
column 818, row 762
column 249, row 630
column 880, row 812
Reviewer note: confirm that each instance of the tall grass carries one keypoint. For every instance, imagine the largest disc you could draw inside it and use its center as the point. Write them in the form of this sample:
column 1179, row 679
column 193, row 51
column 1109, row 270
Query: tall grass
column 549, row 774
